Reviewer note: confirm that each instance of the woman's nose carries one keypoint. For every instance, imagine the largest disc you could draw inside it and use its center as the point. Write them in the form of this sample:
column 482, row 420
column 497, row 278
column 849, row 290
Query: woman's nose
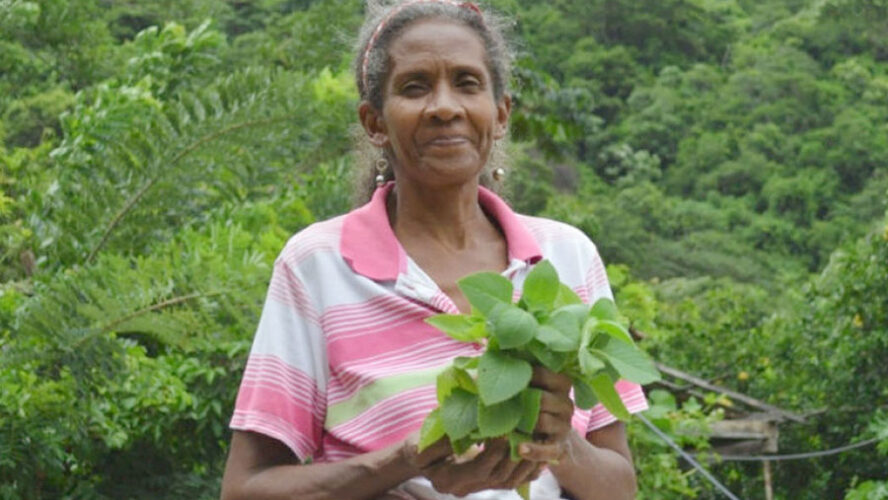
column 443, row 103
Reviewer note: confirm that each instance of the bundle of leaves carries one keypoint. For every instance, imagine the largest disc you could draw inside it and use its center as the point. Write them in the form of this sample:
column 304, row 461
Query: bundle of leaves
column 490, row 396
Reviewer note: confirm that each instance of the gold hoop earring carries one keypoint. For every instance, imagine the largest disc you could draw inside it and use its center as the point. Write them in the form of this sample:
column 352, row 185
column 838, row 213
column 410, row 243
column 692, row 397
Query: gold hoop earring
column 381, row 166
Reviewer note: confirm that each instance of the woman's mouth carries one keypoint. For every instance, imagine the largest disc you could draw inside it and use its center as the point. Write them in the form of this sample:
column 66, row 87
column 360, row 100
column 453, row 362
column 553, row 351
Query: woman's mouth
column 448, row 140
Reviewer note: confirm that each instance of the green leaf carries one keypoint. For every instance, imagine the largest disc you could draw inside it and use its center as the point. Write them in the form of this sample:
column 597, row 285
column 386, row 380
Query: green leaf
column 513, row 327
column 589, row 363
column 459, row 326
column 499, row 419
column 557, row 341
column 432, row 430
column 459, row 414
column 446, row 383
column 566, row 297
column 615, row 330
column 465, row 381
column 541, row 286
column 662, row 404
column 501, row 376
column 552, row 360
column 630, row 362
column 605, row 392
column 486, row 290
column 604, row 308
column 562, row 330
column 579, row 311
column 466, row 362
column 530, row 409
column 588, row 332
column 584, row 396
column 662, row 398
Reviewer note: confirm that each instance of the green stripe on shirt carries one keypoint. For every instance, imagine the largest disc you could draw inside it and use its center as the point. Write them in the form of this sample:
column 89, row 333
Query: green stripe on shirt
column 378, row 390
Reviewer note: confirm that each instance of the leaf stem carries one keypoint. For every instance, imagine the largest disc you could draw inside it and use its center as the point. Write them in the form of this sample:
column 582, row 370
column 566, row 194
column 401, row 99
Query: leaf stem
column 156, row 307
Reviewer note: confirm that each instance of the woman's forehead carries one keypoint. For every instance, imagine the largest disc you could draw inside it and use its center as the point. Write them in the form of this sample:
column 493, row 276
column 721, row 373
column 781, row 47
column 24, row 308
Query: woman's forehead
column 432, row 41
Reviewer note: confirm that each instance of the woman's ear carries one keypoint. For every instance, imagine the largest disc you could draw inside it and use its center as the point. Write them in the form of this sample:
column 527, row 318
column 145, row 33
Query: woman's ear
column 374, row 126
column 503, row 111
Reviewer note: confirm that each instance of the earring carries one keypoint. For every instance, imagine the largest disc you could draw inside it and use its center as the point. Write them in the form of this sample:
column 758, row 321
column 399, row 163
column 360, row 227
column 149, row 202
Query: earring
column 381, row 165
column 498, row 174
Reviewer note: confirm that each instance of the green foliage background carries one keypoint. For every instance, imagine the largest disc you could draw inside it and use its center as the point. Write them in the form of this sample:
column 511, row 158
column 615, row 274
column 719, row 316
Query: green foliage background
column 729, row 158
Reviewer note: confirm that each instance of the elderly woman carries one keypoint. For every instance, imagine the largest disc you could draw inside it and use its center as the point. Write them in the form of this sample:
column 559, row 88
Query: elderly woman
column 342, row 369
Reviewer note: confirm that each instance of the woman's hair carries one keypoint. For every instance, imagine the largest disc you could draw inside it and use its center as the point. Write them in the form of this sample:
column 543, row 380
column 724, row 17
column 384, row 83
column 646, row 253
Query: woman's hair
column 384, row 22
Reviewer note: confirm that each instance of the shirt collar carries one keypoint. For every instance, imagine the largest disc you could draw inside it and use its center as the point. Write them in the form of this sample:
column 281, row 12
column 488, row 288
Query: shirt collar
column 368, row 243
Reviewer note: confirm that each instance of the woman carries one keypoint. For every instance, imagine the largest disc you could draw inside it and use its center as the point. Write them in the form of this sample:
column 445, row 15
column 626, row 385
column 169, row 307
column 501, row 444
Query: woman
column 343, row 368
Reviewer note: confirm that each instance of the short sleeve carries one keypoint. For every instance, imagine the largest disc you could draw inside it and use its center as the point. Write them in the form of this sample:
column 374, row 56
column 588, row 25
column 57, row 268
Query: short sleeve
column 595, row 276
column 598, row 286
column 283, row 391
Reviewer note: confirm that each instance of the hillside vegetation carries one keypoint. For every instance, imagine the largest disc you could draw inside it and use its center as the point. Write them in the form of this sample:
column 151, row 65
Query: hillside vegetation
column 728, row 157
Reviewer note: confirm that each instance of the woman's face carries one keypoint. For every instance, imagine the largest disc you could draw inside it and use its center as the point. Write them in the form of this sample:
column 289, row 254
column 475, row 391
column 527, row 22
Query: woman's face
column 439, row 117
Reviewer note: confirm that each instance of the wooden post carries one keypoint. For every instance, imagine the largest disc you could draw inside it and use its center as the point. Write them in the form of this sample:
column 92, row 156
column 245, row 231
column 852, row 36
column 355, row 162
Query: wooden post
column 769, row 490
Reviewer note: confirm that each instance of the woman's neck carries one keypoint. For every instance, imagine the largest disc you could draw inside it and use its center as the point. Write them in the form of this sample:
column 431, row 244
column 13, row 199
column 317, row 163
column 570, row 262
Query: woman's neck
column 450, row 217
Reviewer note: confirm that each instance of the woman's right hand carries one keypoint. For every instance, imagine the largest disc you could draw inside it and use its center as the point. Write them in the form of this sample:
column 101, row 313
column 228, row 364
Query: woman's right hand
column 493, row 468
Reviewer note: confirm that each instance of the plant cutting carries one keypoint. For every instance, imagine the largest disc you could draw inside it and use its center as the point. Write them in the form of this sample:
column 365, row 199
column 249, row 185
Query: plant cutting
column 490, row 397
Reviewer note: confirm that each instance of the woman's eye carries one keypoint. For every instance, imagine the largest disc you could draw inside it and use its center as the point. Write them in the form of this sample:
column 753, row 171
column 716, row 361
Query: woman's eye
column 469, row 82
column 413, row 88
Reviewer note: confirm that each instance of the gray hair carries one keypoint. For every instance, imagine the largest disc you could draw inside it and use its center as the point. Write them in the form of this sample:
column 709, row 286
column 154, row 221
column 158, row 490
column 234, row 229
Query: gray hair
column 372, row 67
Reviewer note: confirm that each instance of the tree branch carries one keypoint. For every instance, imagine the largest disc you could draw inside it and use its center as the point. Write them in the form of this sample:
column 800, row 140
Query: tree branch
column 156, row 307
column 128, row 206
column 728, row 392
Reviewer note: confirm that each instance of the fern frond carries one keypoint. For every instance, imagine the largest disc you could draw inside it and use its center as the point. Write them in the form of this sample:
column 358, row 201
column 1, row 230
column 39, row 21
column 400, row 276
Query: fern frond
column 239, row 138
column 204, row 285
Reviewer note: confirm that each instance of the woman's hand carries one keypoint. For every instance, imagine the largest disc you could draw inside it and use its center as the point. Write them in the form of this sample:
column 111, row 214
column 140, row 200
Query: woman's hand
column 592, row 467
column 493, row 468
column 553, row 433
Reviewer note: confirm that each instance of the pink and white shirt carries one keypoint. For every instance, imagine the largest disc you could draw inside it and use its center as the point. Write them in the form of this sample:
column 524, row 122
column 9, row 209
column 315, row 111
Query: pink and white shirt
column 342, row 362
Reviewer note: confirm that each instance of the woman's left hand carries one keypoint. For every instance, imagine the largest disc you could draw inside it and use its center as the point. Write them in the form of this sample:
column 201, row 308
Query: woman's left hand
column 553, row 431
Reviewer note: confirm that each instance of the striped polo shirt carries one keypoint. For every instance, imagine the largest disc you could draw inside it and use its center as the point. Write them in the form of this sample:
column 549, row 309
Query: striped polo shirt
column 342, row 362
